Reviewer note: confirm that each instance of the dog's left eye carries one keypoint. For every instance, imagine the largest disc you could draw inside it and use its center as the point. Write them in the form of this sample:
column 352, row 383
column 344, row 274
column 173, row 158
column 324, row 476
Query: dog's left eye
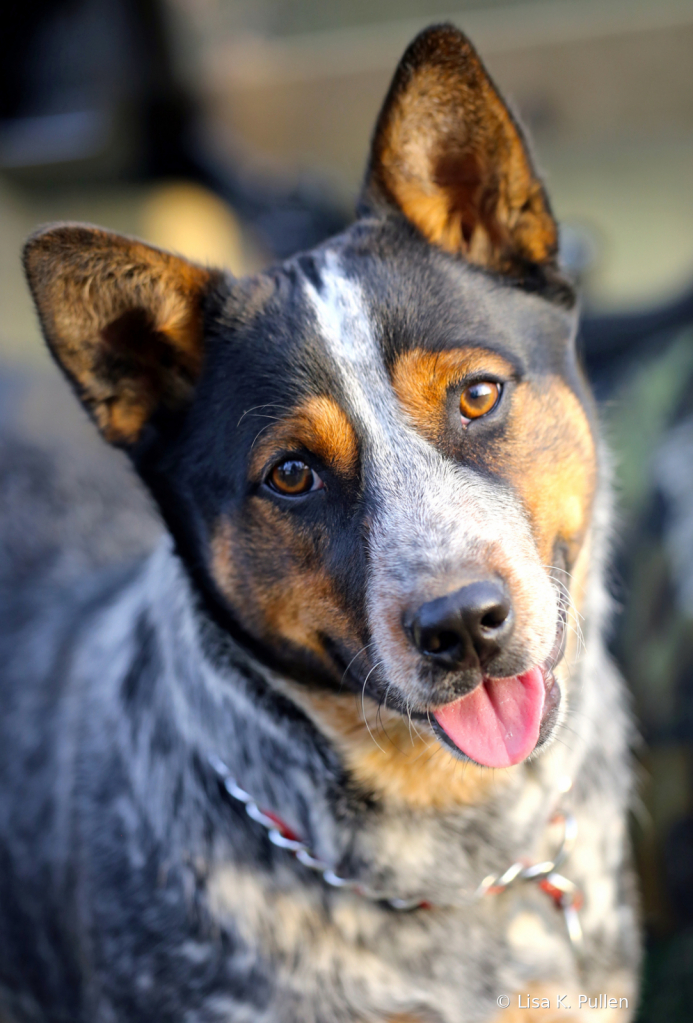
column 479, row 399
column 293, row 478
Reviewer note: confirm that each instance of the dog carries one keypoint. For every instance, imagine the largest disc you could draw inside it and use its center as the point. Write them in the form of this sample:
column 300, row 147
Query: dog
column 347, row 745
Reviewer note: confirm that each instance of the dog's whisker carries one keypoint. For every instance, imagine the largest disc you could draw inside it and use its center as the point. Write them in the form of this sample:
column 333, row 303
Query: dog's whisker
column 425, row 750
column 358, row 654
column 363, row 705
column 566, row 604
column 411, row 737
column 269, row 404
column 258, row 435
column 382, row 723
column 412, row 723
column 557, row 568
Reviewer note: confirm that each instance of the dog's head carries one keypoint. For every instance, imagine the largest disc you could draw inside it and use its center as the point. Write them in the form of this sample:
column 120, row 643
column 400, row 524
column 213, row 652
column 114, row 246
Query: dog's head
column 377, row 459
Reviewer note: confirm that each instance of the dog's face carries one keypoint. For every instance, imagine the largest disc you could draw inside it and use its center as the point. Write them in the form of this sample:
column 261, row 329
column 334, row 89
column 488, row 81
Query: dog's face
column 377, row 458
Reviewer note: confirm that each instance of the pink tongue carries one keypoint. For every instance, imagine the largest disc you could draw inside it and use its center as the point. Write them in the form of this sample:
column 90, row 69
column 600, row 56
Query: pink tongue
column 498, row 724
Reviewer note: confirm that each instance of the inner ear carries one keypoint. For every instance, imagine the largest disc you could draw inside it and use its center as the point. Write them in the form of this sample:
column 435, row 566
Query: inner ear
column 449, row 155
column 124, row 321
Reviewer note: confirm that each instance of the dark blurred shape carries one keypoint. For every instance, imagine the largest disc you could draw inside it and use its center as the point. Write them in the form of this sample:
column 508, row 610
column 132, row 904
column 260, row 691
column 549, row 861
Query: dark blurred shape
column 51, row 138
column 678, row 866
column 89, row 91
column 644, row 364
column 611, row 342
column 667, row 993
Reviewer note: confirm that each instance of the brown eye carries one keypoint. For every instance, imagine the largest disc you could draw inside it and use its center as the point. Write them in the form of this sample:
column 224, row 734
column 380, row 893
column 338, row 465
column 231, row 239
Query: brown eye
column 293, row 477
column 479, row 399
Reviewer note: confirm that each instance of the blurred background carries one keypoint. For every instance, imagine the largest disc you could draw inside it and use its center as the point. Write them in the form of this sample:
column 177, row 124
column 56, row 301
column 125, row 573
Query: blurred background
column 236, row 131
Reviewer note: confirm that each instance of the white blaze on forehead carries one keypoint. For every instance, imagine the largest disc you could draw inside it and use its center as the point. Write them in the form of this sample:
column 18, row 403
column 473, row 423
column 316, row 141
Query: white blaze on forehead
column 342, row 316
column 344, row 324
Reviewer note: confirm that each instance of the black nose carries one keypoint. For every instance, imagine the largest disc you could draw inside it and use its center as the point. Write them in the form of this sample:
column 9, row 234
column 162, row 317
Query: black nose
column 463, row 629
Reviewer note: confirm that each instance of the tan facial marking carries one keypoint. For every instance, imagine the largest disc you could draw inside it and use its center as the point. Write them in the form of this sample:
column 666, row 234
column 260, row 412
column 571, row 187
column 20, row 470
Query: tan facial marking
column 547, row 450
column 549, row 456
column 578, row 583
column 319, row 425
column 274, row 580
column 421, row 380
column 270, row 571
column 400, row 765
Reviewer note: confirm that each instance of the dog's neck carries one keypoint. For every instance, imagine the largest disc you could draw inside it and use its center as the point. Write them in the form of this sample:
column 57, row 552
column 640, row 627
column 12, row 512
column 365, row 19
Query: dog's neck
column 218, row 700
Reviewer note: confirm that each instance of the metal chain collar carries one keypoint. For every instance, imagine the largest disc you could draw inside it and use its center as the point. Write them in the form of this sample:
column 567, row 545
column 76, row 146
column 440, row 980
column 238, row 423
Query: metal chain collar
column 565, row 894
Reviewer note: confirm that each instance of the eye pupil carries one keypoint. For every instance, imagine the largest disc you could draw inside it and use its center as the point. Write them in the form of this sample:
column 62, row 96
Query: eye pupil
column 292, row 477
column 479, row 399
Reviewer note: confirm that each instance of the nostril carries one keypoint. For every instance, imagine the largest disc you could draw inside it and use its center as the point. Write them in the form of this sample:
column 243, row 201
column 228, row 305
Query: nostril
column 440, row 642
column 495, row 616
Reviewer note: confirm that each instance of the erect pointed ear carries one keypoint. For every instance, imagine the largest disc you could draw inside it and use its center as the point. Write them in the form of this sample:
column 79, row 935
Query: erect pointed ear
column 449, row 155
column 123, row 320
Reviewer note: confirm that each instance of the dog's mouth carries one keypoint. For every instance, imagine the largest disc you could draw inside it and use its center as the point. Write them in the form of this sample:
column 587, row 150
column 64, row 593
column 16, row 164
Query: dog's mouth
column 503, row 720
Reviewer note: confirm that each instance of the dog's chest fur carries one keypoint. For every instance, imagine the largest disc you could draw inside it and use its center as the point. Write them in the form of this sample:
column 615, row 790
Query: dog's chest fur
column 171, row 903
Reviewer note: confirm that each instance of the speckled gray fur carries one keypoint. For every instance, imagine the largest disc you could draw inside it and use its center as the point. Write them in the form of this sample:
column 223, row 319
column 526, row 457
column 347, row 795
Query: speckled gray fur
column 133, row 890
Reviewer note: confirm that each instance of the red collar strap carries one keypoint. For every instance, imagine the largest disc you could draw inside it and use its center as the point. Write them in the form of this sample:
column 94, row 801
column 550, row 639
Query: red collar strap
column 564, row 893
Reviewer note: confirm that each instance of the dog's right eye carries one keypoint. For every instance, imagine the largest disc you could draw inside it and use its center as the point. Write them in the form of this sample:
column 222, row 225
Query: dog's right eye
column 293, row 478
column 479, row 399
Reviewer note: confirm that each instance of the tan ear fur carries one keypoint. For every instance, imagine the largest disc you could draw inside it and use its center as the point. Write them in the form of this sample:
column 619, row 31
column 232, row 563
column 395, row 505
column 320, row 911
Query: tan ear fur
column 123, row 319
column 448, row 154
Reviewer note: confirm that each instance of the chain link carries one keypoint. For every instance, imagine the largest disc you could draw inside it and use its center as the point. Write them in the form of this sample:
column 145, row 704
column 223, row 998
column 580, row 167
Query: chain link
column 565, row 894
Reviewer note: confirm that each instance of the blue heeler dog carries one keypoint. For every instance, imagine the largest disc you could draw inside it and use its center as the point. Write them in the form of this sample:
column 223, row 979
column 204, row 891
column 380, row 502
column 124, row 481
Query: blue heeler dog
column 347, row 746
